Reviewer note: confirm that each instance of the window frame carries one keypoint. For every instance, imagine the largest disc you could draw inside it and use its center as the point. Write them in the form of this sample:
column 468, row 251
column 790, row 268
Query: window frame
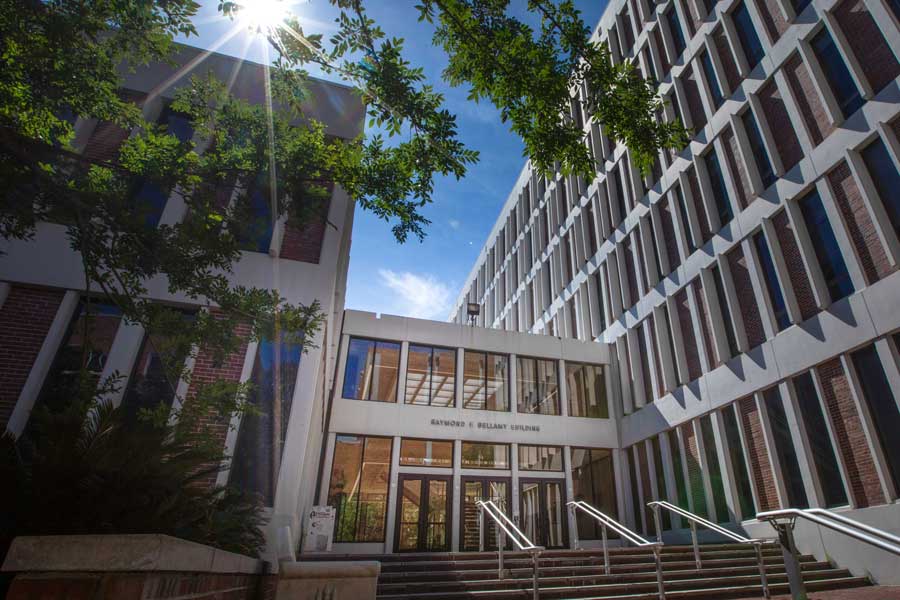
column 376, row 341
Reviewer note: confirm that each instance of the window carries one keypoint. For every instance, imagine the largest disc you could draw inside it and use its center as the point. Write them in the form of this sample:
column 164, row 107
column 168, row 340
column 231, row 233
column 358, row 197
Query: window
column 714, row 90
column 763, row 165
column 820, row 446
column 648, row 60
column 727, row 320
column 477, row 455
column 784, row 449
column 825, row 246
column 485, row 380
column 894, row 5
column 639, row 515
column 426, row 453
column 431, row 376
column 371, row 371
column 773, row 288
column 619, row 192
column 753, row 49
column 660, row 480
column 885, row 177
column 540, row 458
column 799, row 5
column 586, row 388
column 683, row 214
column 882, row 406
column 360, row 474
column 261, row 435
column 715, row 470
column 837, row 73
column 738, row 462
column 593, row 481
column 255, row 225
column 678, row 468
column 719, row 190
column 537, row 386
column 677, row 32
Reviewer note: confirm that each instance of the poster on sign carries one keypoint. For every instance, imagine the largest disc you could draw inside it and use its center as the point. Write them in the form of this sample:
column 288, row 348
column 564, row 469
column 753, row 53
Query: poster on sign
column 319, row 529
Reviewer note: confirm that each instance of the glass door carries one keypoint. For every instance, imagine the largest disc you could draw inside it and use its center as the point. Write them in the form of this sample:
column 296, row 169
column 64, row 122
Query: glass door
column 543, row 511
column 423, row 514
column 473, row 490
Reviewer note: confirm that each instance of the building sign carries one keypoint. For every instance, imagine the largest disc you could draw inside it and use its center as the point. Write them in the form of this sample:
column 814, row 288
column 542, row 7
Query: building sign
column 484, row 426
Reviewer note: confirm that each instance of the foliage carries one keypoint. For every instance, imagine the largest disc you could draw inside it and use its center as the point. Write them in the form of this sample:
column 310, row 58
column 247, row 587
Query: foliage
column 86, row 469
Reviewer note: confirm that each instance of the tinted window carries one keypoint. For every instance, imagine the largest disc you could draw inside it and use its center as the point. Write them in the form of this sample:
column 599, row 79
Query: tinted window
column 820, row 445
column 728, row 322
column 826, row 247
column 713, row 83
column 485, row 378
column 884, row 175
column 753, row 49
column 540, row 458
column 537, row 386
column 485, row 456
column 837, row 73
column 586, row 388
column 426, row 453
column 255, row 228
column 771, row 278
column 683, row 214
column 678, row 467
column 882, row 406
column 720, row 192
column 715, row 470
column 784, row 449
column 677, row 33
column 358, row 489
column 371, row 370
column 738, row 462
column 766, row 173
column 593, row 481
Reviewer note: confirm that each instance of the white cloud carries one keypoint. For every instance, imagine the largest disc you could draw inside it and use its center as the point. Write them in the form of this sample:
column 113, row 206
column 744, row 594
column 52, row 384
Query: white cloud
column 412, row 295
column 454, row 224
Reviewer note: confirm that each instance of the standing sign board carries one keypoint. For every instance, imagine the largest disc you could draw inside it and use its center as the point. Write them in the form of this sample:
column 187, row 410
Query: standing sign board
column 319, row 529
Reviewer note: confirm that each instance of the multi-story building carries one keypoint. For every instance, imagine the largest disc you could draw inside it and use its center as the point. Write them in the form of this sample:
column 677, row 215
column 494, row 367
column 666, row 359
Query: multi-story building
column 747, row 286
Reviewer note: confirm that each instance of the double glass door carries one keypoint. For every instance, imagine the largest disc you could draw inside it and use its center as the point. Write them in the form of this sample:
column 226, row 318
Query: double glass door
column 473, row 490
column 542, row 511
column 423, row 514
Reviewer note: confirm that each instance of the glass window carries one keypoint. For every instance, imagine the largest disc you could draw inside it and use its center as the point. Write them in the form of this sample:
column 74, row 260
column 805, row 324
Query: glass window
column 660, row 480
column 478, row 455
column 594, row 482
column 426, row 453
column 540, row 458
column 799, row 5
column 431, row 376
column 255, row 226
column 825, row 245
column 728, row 322
column 261, row 434
column 537, row 386
column 723, row 515
column 683, row 214
column 738, row 462
column 886, row 178
column 766, row 173
column 753, row 49
column 882, row 406
column 678, row 467
column 719, row 189
column 837, row 73
column 784, row 449
column 639, row 514
column 485, row 380
column 360, row 475
column 677, row 32
column 371, row 371
column 586, row 387
column 771, row 278
column 714, row 90
column 820, row 446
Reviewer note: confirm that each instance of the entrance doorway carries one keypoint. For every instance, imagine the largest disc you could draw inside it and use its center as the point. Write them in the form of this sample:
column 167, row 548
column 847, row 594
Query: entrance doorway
column 542, row 505
column 423, row 514
column 473, row 490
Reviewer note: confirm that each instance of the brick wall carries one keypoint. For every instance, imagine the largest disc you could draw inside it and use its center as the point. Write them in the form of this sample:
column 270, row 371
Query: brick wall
column 868, row 44
column 25, row 318
column 695, row 105
column 303, row 243
column 689, row 341
column 732, row 77
column 776, row 113
column 737, row 168
column 668, row 230
column 818, row 124
column 773, row 18
column 856, row 217
column 695, row 473
column 853, row 447
column 790, row 249
column 758, row 454
column 695, row 18
column 712, row 352
column 740, row 275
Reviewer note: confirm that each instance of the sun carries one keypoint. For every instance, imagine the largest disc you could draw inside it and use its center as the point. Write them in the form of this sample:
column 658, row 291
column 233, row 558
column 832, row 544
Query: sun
column 263, row 16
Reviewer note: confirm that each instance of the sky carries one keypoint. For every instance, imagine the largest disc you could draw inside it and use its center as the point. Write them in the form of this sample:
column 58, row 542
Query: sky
column 415, row 279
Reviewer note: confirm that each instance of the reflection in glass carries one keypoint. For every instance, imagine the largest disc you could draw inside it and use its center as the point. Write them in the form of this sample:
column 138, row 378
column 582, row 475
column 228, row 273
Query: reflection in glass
column 430, row 376
column 371, row 370
column 537, row 386
column 358, row 488
column 473, row 491
column 586, row 388
column 426, row 453
column 485, row 381
column 477, row 455
column 540, row 458
column 593, row 482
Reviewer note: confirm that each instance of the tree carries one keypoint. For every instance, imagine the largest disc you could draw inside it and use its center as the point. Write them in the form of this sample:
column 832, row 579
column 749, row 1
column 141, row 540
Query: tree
column 64, row 59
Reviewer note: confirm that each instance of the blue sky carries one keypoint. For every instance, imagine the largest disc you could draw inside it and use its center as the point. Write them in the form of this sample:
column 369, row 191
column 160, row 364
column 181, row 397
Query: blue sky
column 418, row 279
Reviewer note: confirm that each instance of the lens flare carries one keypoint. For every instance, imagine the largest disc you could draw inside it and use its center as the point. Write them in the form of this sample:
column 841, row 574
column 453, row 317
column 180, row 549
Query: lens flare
column 263, row 16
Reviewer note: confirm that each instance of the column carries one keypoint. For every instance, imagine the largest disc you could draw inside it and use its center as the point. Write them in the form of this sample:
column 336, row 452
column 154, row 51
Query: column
column 393, row 497
column 455, row 500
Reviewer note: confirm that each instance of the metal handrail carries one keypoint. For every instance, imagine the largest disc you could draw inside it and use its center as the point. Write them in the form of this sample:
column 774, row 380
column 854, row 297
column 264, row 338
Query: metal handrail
column 695, row 520
column 507, row 527
column 783, row 521
column 607, row 521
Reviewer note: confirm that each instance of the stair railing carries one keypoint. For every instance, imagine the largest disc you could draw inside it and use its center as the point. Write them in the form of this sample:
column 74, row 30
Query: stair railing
column 505, row 527
column 695, row 520
column 608, row 522
column 784, row 520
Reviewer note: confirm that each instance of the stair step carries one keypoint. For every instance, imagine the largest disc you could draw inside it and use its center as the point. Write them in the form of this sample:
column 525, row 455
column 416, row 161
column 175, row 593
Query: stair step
column 743, row 591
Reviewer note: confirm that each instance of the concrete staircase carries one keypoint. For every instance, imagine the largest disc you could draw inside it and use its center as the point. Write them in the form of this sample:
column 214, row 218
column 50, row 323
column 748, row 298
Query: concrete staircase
column 729, row 571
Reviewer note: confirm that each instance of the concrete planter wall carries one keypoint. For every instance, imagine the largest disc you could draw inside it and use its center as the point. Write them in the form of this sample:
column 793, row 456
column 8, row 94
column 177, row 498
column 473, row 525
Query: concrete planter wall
column 328, row 580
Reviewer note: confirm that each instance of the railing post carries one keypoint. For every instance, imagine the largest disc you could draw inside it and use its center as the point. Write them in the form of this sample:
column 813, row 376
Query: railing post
column 574, row 512
column 696, row 546
column 659, row 575
column 791, row 560
column 605, row 548
column 535, row 555
column 658, row 526
column 481, row 529
column 763, row 579
column 501, row 543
